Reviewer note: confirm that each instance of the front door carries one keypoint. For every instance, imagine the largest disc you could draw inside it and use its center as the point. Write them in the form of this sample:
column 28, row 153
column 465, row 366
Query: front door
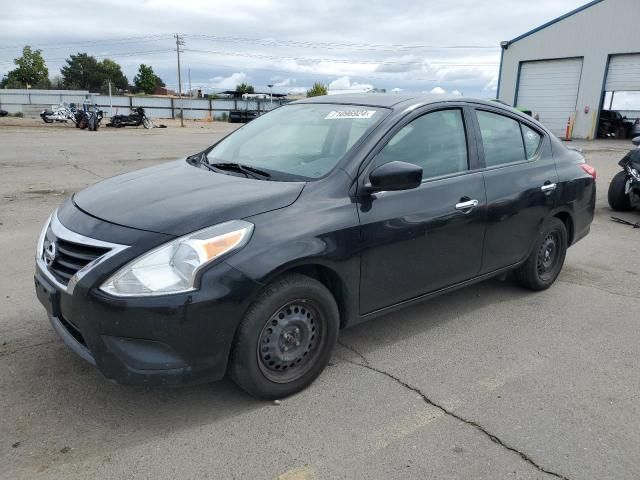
column 421, row 240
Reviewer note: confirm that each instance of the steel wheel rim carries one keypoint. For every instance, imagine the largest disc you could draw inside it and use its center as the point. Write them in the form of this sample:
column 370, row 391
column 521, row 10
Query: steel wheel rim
column 290, row 341
column 548, row 256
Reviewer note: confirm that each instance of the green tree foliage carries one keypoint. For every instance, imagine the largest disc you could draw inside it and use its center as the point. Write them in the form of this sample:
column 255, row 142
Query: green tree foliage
column 245, row 88
column 84, row 72
column 146, row 80
column 30, row 70
column 317, row 90
column 110, row 70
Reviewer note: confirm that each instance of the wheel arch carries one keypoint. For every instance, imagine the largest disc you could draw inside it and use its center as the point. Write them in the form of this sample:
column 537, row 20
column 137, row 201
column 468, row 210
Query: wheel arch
column 565, row 216
column 329, row 277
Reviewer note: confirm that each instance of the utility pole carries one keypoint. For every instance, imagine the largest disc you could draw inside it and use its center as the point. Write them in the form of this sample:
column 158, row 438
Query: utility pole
column 179, row 43
column 270, row 95
column 110, row 101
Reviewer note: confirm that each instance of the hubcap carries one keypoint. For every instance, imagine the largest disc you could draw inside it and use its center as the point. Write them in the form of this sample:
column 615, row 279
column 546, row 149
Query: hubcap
column 548, row 255
column 289, row 341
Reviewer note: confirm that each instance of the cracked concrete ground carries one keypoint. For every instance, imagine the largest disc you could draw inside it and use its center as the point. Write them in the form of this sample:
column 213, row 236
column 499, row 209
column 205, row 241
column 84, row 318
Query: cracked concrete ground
column 487, row 382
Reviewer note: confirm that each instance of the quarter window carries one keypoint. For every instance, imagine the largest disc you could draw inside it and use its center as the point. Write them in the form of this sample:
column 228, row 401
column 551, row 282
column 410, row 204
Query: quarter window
column 435, row 141
column 501, row 139
column 531, row 140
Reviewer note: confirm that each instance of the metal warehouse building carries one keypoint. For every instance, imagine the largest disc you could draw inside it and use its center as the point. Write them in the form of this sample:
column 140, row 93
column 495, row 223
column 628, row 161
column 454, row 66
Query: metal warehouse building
column 568, row 66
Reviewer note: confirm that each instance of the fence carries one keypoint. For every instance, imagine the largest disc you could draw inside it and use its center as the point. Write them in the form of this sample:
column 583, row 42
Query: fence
column 31, row 101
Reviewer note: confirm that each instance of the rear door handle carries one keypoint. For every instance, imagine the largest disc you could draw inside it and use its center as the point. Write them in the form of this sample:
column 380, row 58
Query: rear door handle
column 548, row 187
column 468, row 205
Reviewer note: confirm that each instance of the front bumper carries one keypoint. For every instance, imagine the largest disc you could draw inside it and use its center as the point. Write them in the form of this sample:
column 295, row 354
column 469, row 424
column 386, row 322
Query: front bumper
column 169, row 340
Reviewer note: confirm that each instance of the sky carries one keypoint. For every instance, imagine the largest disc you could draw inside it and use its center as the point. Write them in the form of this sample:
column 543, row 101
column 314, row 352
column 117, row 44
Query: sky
column 439, row 46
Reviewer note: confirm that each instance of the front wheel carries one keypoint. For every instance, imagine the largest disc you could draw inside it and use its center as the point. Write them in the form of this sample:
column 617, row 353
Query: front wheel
column 618, row 199
column 286, row 338
column 146, row 123
column 545, row 262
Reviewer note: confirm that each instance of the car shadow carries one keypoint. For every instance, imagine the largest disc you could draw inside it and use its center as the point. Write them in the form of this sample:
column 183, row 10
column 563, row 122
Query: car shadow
column 62, row 399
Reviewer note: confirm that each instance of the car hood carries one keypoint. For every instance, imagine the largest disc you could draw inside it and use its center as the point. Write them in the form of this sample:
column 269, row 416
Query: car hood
column 177, row 198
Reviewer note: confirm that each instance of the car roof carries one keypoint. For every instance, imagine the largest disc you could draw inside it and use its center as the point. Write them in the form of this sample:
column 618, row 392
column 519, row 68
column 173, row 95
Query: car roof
column 396, row 101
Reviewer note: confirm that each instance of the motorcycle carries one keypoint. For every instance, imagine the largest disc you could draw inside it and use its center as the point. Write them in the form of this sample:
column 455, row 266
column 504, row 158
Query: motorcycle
column 90, row 119
column 624, row 189
column 136, row 118
column 61, row 113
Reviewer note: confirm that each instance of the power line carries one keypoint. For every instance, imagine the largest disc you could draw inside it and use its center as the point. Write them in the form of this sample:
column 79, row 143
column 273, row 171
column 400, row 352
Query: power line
column 50, row 46
column 335, row 60
column 335, row 45
column 105, row 56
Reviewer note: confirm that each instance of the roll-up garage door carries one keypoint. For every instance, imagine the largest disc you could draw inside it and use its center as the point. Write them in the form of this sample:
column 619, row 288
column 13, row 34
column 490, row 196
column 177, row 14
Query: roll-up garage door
column 623, row 73
column 550, row 88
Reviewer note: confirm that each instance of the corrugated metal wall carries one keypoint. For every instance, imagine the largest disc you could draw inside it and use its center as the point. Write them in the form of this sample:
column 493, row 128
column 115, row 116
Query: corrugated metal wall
column 156, row 107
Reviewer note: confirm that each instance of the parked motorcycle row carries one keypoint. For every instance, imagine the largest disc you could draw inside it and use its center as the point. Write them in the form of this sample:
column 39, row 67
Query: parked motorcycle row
column 90, row 117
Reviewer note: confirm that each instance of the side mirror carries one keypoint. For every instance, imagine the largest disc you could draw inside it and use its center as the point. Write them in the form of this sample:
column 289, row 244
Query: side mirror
column 636, row 141
column 394, row 176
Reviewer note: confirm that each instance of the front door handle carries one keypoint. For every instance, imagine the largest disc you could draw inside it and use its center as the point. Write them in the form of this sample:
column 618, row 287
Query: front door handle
column 548, row 187
column 467, row 205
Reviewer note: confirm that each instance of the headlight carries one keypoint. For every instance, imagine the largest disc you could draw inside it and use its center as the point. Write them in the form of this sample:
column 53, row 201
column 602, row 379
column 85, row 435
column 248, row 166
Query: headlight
column 43, row 234
column 172, row 268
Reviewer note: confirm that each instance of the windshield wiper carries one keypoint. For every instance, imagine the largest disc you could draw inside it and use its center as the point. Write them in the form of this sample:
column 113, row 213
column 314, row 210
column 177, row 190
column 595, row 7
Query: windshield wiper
column 247, row 170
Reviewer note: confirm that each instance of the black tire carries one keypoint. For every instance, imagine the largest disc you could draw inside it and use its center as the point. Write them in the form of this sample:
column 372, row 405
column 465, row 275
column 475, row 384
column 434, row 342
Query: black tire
column 618, row 200
column 545, row 262
column 286, row 338
column 116, row 122
column 146, row 123
column 46, row 120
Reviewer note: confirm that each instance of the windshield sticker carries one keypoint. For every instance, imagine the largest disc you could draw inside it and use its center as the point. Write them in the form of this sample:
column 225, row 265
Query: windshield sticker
column 338, row 114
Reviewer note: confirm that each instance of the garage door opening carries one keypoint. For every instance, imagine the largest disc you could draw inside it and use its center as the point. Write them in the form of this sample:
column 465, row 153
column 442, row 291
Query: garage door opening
column 620, row 109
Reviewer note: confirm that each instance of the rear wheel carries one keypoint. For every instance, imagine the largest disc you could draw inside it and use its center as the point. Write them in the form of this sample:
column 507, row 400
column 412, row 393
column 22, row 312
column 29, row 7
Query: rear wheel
column 286, row 338
column 545, row 262
column 618, row 200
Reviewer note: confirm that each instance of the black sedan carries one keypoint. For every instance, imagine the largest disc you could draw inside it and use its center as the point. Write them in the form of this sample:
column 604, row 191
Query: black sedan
column 247, row 258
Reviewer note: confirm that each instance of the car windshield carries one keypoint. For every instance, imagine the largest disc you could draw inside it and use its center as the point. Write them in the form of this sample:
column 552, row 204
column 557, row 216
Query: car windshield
column 297, row 142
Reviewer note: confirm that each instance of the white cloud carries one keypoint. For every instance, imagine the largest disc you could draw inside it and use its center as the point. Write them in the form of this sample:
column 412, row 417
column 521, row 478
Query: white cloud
column 396, row 90
column 438, row 91
column 344, row 83
column 296, row 91
column 285, row 82
column 456, row 93
column 230, row 82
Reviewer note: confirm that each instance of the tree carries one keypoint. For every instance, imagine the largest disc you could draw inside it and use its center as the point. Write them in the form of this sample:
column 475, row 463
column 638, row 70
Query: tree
column 31, row 71
column 146, row 80
column 110, row 70
column 244, row 88
column 84, row 72
column 317, row 90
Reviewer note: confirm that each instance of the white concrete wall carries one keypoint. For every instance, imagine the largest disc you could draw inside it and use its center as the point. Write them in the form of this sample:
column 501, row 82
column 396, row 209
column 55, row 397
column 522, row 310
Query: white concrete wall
column 608, row 27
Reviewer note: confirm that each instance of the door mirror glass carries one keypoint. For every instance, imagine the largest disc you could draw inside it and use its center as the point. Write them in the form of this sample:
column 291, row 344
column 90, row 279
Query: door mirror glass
column 395, row 176
column 636, row 141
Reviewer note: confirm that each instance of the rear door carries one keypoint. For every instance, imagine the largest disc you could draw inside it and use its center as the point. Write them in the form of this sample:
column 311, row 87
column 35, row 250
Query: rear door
column 421, row 240
column 521, row 183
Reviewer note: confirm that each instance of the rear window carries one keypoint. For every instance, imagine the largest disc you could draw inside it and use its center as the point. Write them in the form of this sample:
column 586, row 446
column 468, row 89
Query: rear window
column 532, row 140
column 501, row 139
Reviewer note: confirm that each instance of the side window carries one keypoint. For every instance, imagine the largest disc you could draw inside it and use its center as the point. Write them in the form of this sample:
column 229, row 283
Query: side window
column 501, row 139
column 436, row 141
column 531, row 140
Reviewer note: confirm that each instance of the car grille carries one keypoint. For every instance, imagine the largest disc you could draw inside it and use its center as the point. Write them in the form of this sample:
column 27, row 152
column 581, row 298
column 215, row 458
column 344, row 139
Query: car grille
column 65, row 258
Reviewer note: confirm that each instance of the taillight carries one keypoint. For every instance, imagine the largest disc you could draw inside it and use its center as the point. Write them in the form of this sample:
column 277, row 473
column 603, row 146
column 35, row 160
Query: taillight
column 589, row 169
